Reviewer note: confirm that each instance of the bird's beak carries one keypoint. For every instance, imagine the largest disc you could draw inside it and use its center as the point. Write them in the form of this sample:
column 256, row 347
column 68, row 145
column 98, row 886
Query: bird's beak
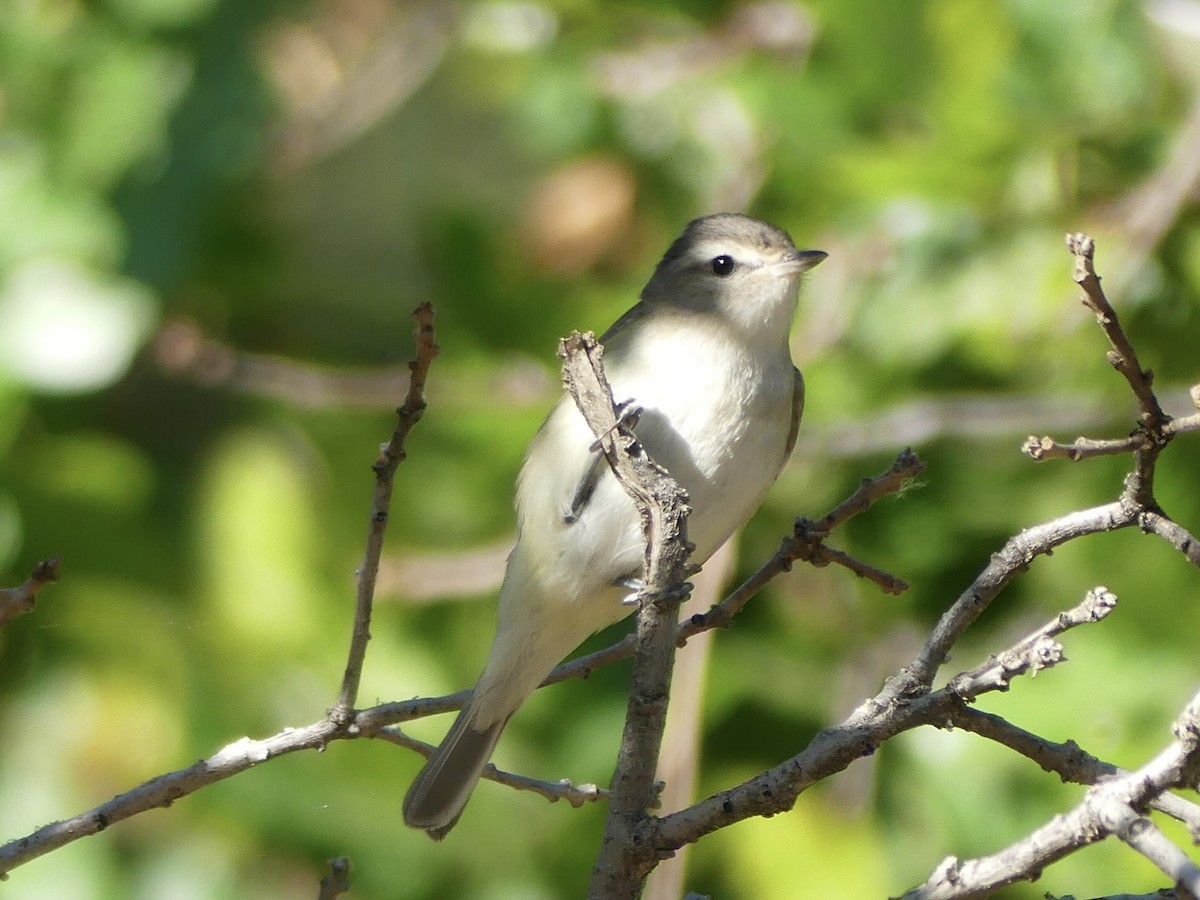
column 799, row 261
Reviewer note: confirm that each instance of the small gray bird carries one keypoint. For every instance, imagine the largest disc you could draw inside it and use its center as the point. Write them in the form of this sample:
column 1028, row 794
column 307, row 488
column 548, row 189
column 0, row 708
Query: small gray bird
column 704, row 354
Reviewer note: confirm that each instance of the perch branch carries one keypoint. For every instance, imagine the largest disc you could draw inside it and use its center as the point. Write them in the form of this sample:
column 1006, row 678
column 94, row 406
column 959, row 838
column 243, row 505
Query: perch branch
column 663, row 508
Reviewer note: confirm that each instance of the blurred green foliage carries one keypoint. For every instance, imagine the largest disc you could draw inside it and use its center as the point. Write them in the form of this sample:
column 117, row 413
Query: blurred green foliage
column 291, row 179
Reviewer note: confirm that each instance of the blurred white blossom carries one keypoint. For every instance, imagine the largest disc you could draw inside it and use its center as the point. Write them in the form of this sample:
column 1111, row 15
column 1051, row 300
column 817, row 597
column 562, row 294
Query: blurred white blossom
column 64, row 329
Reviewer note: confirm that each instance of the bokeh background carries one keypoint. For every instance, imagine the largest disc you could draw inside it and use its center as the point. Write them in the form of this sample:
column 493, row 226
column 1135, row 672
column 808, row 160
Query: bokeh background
column 215, row 219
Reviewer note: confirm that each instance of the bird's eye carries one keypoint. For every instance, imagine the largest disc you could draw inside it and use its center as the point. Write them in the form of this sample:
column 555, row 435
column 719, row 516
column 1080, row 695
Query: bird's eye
column 722, row 265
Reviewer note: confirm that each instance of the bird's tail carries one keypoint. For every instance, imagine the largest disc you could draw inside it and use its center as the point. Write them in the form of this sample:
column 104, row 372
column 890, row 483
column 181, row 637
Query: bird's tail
column 443, row 787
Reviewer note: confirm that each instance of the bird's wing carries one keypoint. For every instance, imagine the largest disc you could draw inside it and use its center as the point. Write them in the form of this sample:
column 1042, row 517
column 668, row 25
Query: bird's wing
column 586, row 487
column 797, row 410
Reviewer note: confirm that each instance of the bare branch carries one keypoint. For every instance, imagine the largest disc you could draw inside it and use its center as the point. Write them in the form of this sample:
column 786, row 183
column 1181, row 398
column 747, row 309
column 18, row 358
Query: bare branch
column 822, row 556
column 663, row 508
column 165, row 789
column 1122, row 357
column 806, row 544
column 1083, row 448
column 391, row 455
column 874, row 722
column 1110, row 808
column 906, row 467
column 563, row 789
column 1067, row 760
column 1036, row 652
column 1146, row 838
column 1014, row 557
column 1136, row 505
column 243, row 754
column 1183, row 424
column 1174, row 534
column 375, row 721
column 1047, row 447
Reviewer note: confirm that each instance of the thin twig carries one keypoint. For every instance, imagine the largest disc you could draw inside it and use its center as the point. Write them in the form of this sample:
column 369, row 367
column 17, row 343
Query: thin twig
column 1035, row 652
column 906, row 467
column 822, row 556
column 1183, row 424
column 235, row 758
column 1014, row 557
column 805, row 543
column 1122, row 358
column 1046, row 447
column 563, row 789
column 391, row 455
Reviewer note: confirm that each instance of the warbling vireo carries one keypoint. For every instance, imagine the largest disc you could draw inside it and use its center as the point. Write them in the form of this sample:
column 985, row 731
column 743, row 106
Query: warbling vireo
column 704, row 354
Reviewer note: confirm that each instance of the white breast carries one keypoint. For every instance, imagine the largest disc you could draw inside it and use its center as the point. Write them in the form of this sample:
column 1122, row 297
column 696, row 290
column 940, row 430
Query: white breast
column 715, row 413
